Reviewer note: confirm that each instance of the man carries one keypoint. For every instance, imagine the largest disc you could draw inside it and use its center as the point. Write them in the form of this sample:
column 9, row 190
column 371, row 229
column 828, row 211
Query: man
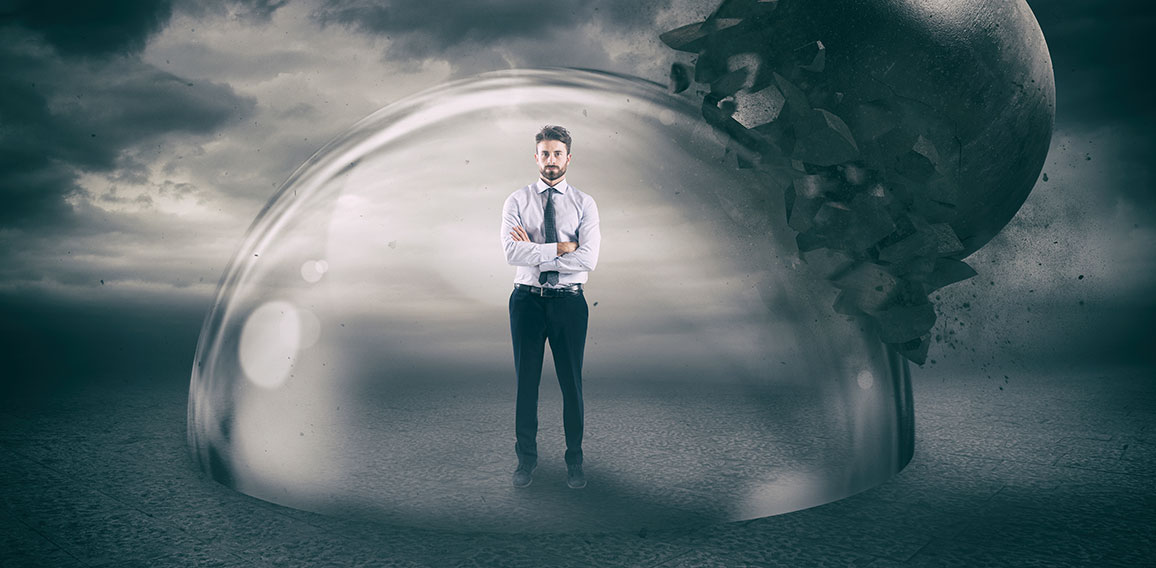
column 550, row 233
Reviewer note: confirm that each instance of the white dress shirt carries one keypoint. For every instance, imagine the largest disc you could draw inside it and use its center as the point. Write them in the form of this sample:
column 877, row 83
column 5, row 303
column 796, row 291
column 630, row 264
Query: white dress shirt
column 575, row 219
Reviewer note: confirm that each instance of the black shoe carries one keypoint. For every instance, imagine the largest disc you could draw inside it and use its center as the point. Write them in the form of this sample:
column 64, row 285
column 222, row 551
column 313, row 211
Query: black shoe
column 575, row 479
column 523, row 475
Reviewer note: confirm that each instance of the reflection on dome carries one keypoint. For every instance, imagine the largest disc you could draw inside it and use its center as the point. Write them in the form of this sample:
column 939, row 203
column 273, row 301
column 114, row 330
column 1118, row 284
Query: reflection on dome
column 357, row 359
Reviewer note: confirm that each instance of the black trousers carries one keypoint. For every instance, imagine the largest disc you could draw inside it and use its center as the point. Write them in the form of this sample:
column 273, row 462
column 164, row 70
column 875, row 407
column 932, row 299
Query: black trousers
column 562, row 321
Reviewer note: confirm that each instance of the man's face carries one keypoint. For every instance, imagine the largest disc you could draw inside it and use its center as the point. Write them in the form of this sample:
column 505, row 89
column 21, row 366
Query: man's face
column 552, row 159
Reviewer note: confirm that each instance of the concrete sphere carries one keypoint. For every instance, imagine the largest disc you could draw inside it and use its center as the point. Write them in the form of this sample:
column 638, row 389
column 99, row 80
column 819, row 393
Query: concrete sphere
column 972, row 77
column 982, row 65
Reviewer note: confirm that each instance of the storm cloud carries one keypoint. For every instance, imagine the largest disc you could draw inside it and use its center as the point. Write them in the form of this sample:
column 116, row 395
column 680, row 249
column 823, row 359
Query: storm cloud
column 75, row 97
column 1104, row 90
column 91, row 28
column 499, row 34
column 1099, row 50
column 419, row 32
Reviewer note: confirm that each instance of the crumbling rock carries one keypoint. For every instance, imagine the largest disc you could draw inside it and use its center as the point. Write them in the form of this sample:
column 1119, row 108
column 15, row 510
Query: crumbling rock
column 758, row 108
column 873, row 187
column 679, row 77
column 811, row 57
column 827, row 141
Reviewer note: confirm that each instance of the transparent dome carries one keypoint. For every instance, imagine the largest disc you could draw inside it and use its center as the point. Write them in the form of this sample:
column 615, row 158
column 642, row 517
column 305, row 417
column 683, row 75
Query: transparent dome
column 357, row 359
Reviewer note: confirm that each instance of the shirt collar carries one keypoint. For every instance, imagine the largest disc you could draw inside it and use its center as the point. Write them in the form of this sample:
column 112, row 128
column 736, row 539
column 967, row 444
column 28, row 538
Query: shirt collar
column 541, row 186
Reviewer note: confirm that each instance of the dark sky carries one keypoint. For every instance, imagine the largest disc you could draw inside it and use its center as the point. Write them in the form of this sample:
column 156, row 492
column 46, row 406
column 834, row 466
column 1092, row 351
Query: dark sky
column 139, row 138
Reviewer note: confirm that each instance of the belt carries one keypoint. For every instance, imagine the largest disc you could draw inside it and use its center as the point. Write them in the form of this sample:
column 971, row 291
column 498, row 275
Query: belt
column 568, row 290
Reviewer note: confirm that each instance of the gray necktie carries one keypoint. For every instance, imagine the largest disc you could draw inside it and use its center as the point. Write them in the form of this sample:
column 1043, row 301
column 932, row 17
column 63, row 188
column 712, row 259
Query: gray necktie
column 551, row 233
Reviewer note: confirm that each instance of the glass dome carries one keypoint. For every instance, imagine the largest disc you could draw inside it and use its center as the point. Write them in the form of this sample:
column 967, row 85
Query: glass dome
column 357, row 358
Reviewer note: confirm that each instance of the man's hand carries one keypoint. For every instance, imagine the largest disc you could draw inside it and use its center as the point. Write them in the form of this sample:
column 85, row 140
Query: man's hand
column 519, row 234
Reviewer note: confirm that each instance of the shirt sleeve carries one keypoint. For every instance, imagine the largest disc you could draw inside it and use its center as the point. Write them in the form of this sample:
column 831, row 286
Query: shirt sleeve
column 589, row 241
column 522, row 253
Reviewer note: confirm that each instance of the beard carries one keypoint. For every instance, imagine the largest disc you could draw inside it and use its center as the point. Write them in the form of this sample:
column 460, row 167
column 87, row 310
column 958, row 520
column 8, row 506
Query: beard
column 551, row 173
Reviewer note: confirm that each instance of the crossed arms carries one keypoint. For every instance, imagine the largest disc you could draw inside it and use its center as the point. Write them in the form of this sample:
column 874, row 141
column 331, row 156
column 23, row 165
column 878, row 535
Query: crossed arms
column 519, row 234
column 566, row 256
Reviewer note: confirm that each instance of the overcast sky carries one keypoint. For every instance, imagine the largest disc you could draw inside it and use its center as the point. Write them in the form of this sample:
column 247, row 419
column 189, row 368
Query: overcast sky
column 138, row 139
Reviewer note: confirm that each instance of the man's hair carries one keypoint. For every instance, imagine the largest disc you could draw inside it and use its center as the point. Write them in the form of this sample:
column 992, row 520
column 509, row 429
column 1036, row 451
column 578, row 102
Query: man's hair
column 551, row 132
